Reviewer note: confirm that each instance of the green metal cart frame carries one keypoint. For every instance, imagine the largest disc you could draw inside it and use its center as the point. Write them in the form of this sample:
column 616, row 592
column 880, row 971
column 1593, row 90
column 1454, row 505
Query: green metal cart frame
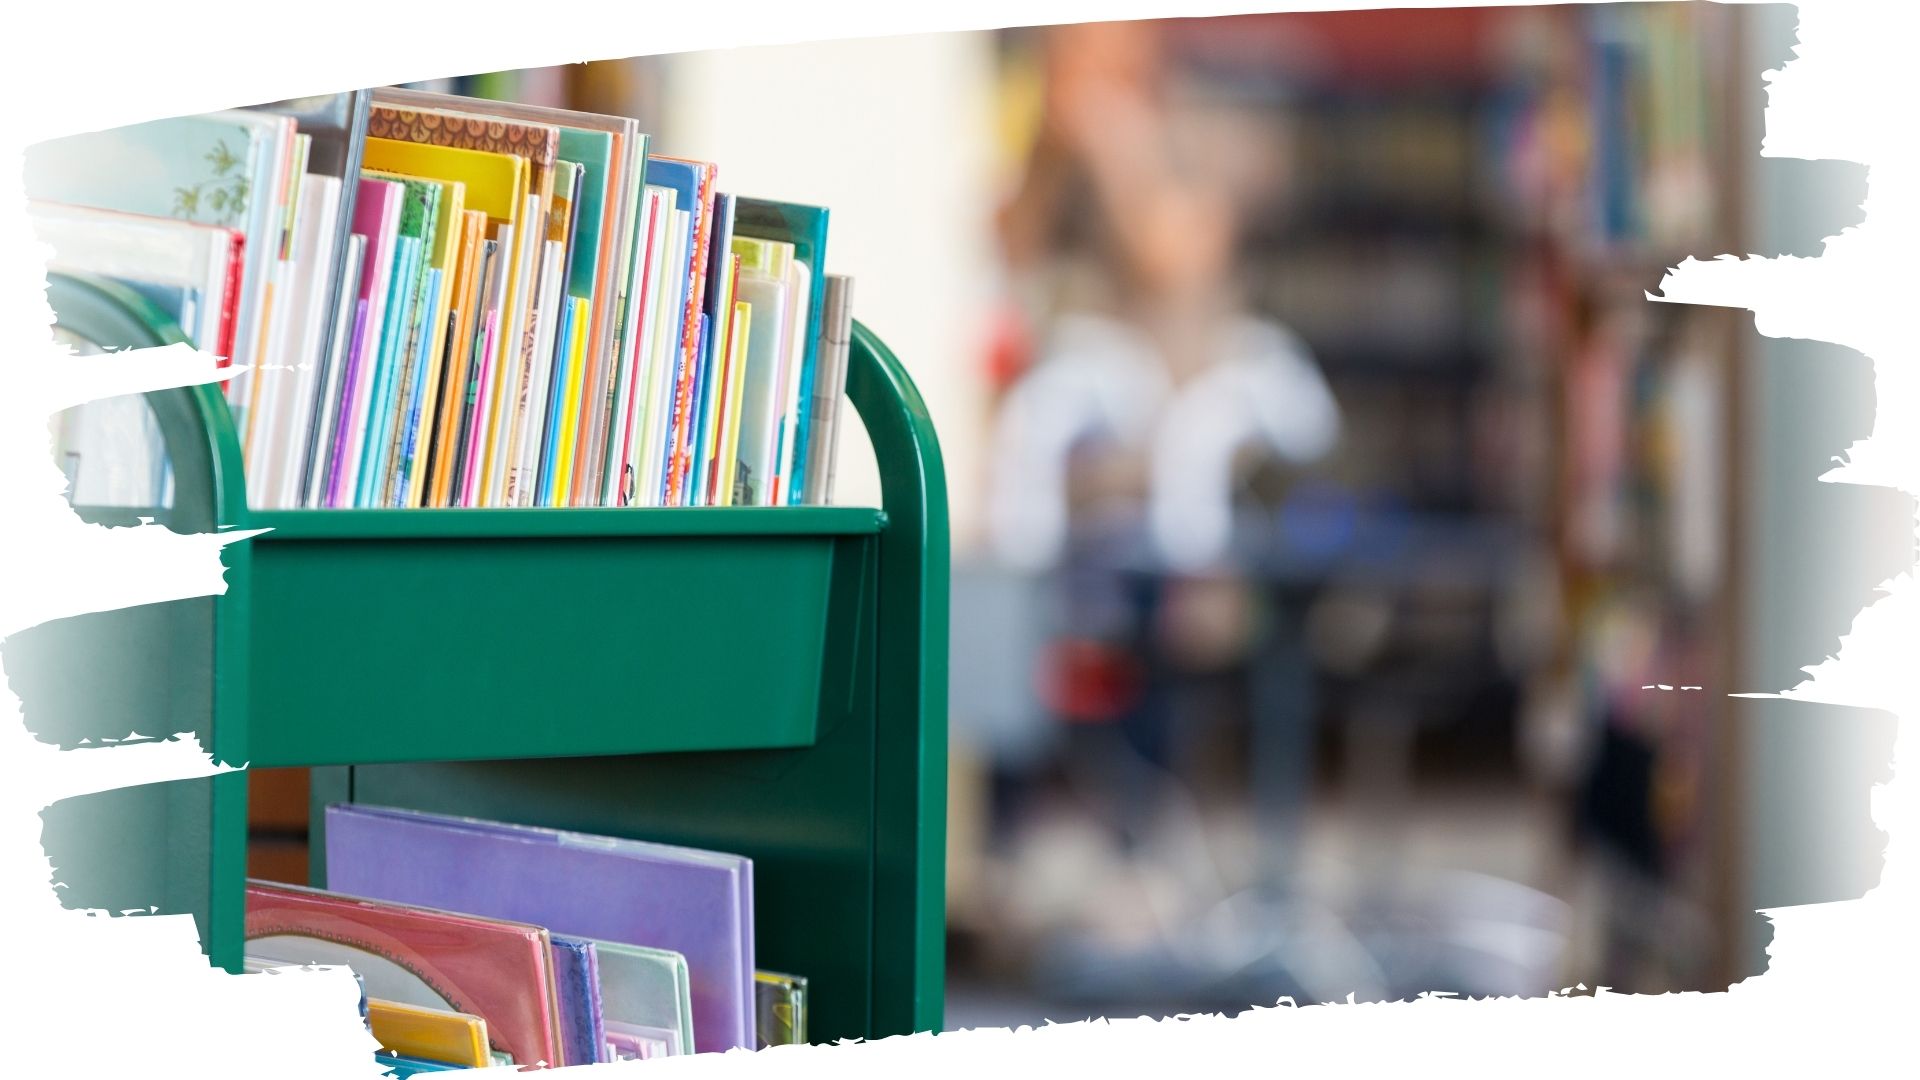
column 768, row 681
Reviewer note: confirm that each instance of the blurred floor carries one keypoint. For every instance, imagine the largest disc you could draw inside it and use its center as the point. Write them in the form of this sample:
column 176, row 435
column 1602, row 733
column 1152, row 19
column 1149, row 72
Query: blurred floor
column 1442, row 837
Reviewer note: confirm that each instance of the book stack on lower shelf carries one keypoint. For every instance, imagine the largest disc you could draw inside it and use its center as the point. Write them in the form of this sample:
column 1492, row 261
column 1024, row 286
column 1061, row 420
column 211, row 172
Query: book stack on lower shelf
column 549, row 947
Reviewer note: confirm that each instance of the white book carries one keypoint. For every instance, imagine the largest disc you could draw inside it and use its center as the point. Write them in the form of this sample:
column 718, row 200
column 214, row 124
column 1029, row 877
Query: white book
column 759, row 421
column 313, row 286
column 272, row 137
column 268, row 380
column 626, row 365
column 508, row 395
column 533, row 422
column 829, row 387
column 492, row 316
column 799, row 282
column 672, row 309
column 624, row 435
column 654, row 301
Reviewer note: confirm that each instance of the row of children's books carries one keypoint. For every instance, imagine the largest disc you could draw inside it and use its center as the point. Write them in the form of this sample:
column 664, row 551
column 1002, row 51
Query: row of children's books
column 442, row 301
column 480, row 943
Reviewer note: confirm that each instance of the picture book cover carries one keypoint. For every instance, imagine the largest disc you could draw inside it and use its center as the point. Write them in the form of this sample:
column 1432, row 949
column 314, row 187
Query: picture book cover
column 195, row 168
column 805, row 227
column 766, row 284
column 648, row 988
column 498, row 970
column 481, row 129
column 781, row 1006
column 697, row 903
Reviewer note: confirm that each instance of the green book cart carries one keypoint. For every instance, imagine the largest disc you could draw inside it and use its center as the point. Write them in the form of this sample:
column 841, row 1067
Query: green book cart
column 767, row 681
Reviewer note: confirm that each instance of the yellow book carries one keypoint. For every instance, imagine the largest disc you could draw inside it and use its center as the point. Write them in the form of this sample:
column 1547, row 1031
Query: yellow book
column 499, row 185
column 453, row 371
column 495, row 183
column 434, row 1034
column 442, row 255
column 711, row 424
column 580, row 315
column 736, row 388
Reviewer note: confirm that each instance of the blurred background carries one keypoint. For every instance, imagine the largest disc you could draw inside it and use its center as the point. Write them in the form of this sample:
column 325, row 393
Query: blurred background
column 1352, row 566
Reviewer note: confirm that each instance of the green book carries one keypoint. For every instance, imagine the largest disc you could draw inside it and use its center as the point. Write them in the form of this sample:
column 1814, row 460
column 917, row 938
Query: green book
column 394, row 382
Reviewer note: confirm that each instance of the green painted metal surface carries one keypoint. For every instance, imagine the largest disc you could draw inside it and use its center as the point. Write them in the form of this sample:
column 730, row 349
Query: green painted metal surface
column 767, row 681
column 153, row 671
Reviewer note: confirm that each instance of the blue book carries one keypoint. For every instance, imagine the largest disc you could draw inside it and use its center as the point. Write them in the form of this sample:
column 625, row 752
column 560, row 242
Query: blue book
column 576, row 992
column 805, row 227
column 406, row 267
column 701, row 371
column 714, row 355
column 556, row 404
column 409, row 434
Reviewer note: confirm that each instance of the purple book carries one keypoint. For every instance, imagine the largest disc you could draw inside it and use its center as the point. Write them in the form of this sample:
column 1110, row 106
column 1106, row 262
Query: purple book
column 697, row 903
column 576, row 990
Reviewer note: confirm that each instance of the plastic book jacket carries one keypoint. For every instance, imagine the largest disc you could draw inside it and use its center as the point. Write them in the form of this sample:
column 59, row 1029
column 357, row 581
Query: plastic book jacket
column 696, row 903
column 499, row 971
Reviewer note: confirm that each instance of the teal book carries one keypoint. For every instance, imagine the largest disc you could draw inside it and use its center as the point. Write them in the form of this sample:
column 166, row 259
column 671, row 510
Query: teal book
column 408, row 439
column 401, row 1067
column 593, row 150
column 409, row 253
column 805, row 227
column 393, row 378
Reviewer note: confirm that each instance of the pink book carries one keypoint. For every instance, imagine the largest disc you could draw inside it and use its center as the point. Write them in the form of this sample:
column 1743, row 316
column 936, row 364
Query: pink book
column 376, row 216
column 497, row 970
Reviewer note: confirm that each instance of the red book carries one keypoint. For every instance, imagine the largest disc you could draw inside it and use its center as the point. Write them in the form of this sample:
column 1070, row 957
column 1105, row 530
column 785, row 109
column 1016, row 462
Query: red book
column 230, row 303
column 497, row 970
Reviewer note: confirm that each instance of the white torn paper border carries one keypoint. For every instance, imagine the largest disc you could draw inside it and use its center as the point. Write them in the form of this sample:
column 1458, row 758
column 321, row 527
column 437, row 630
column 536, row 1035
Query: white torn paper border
column 132, row 996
